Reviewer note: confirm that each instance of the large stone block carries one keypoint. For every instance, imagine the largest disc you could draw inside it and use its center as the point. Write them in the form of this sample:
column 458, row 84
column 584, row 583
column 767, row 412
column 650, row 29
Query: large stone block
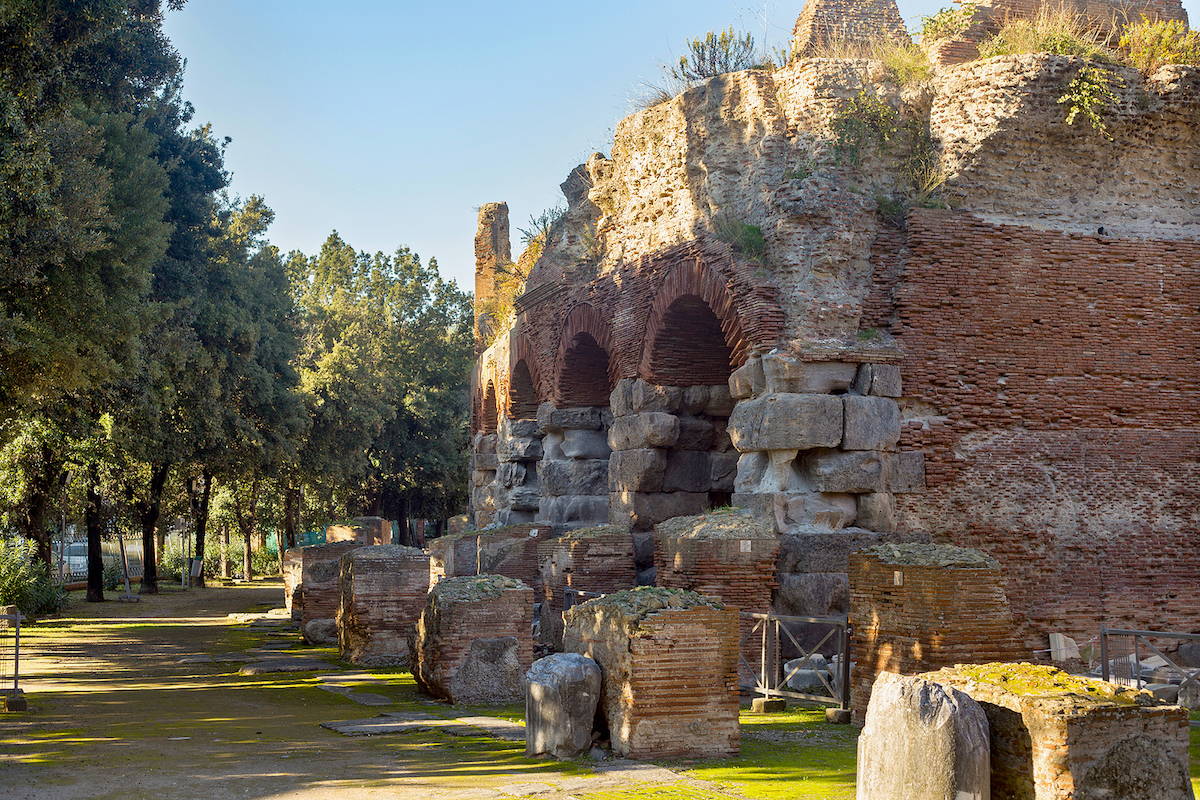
column 642, row 511
column 879, row 380
column 748, row 380
column 824, row 551
column 486, row 461
column 585, row 444
column 784, row 372
column 620, row 400
column 812, row 594
column 787, row 422
column 637, row 470
column 639, row 431
column 724, row 471
column 687, row 471
column 842, row 471
column 574, row 510
column 519, row 449
column 561, row 695
column 573, row 477
column 871, row 423
column 720, row 401
column 695, row 398
column 485, row 443
column 525, row 498
column 876, row 512
column 721, row 443
column 923, row 741
column 511, row 474
column 694, row 433
column 652, row 397
column 587, row 418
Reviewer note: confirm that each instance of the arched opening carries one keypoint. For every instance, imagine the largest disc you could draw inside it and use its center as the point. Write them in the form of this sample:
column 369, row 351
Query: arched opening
column 487, row 414
column 690, row 348
column 522, row 396
column 584, row 379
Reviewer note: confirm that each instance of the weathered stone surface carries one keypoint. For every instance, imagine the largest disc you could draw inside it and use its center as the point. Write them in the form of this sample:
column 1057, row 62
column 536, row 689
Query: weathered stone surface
column 1189, row 654
column 519, row 449
column 724, row 471
column 687, row 471
column 521, row 428
column 554, row 419
column 814, row 551
column 748, row 380
column 720, row 401
column 637, row 470
column 574, row 510
column 879, row 380
column 485, row 443
column 644, row 510
column 639, row 431
column 561, row 694
column 721, row 443
column 383, row 590
column 842, row 471
column 490, row 674
column 620, row 400
column 787, row 421
column 694, row 434
column 585, row 444
column 876, row 512
column 573, row 477
column 829, row 510
column 487, row 461
column 812, row 594
column 511, row 474
column 786, row 373
column 922, row 741
column 321, row 631
column 871, row 423
column 525, row 498
column 552, row 445
column 750, row 470
column 695, row 398
column 904, row 472
column 646, row 397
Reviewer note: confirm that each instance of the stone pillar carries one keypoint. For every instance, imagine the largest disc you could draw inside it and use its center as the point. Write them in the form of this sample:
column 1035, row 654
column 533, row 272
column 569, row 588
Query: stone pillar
column 515, row 494
column 382, row 592
column 492, row 249
column 572, row 477
column 321, row 593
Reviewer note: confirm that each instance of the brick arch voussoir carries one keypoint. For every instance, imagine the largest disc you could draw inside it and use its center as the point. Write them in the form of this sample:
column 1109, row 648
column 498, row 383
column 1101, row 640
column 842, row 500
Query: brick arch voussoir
column 487, row 374
column 693, row 278
column 583, row 318
column 522, row 350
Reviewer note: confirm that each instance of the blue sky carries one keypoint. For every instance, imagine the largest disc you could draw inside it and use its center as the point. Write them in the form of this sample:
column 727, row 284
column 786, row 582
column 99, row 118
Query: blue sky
column 391, row 121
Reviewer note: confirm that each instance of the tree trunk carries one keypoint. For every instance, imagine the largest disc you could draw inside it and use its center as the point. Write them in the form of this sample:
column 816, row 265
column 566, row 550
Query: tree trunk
column 200, row 504
column 32, row 522
column 225, row 552
column 246, row 518
column 402, row 532
column 289, row 516
column 95, row 529
column 149, row 510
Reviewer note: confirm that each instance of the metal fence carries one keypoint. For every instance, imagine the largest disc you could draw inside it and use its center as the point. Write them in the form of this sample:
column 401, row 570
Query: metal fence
column 1121, row 660
column 769, row 672
column 10, row 654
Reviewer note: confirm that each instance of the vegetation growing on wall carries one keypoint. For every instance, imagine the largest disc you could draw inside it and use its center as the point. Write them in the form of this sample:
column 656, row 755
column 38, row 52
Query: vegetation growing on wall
column 1052, row 30
column 1149, row 45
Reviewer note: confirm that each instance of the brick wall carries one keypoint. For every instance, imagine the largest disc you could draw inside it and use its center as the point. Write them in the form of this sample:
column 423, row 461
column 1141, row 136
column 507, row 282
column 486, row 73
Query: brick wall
column 912, row 617
column 670, row 672
column 1053, row 387
column 383, row 590
column 598, row 560
column 513, row 552
column 319, row 575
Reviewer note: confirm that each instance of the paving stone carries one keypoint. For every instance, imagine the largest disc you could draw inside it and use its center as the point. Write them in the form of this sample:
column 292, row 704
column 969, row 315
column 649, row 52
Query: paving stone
column 287, row 665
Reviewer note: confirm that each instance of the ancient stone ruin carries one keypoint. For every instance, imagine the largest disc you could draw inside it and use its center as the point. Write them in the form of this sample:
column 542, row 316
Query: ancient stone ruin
column 383, row 591
column 593, row 560
column 318, row 568
column 669, row 665
column 473, row 641
column 741, row 306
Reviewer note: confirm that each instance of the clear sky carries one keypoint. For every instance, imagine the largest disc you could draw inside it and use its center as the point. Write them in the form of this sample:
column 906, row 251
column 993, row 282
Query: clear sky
column 392, row 121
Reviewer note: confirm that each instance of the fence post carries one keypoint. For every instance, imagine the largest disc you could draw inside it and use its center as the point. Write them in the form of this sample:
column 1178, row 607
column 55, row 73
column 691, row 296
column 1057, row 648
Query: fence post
column 1104, row 653
column 844, row 669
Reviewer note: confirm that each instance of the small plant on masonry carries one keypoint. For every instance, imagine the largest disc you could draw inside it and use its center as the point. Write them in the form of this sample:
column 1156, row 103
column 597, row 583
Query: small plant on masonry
column 1087, row 94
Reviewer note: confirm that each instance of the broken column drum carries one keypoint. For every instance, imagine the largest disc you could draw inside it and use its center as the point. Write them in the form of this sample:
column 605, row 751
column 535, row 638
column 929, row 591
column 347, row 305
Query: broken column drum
column 383, row 591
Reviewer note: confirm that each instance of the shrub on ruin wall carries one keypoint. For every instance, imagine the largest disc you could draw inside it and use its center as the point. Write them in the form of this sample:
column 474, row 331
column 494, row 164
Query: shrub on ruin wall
column 1056, row 31
column 1150, row 45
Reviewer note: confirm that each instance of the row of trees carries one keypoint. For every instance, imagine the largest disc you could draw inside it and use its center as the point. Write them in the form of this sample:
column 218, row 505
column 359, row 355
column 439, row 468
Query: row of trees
column 158, row 357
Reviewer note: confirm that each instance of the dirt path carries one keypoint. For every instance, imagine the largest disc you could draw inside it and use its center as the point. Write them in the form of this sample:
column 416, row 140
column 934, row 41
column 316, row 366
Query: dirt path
column 142, row 700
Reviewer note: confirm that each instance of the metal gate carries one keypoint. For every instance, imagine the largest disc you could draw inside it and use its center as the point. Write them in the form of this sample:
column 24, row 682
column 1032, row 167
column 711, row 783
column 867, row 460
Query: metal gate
column 1187, row 676
column 768, row 672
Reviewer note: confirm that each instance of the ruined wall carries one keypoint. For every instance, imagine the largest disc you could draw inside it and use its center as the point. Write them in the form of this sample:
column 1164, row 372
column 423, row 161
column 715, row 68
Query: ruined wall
column 1053, row 388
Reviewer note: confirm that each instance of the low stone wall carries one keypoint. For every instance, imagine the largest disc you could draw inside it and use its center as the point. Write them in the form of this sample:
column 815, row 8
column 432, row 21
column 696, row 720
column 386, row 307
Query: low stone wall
column 383, row 590
column 453, row 556
column 669, row 661
column 364, row 530
column 1056, row 736
column 598, row 560
column 321, row 593
column 916, row 607
column 513, row 552
column 472, row 642
column 729, row 556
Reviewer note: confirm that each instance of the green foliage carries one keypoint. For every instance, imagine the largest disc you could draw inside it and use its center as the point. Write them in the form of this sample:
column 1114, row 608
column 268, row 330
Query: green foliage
column 113, row 577
column 25, row 581
column 906, row 63
column 947, row 23
column 264, row 561
column 866, row 119
column 1087, row 94
column 745, row 238
column 1051, row 30
column 1149, row 45
column 716, row 54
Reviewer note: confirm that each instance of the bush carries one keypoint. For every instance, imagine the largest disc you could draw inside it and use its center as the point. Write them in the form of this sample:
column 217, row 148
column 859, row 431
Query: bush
column 265, row 561
column 113, row 576
column 1055, row 31
column 746, row 239
column 1149, row 45
column 716, row 54
column 170, row 563
column 25, row 581
column 946, row 23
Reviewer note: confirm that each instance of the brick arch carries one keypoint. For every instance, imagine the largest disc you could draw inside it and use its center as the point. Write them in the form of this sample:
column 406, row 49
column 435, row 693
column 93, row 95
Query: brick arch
column 691, row 286
column 486, row 376
column 489, row 416
column 584, row 334
column 522, row 352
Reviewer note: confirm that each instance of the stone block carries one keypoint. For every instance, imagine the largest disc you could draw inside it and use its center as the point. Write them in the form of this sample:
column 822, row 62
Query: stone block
column 904, row 472
column 1189, row 654
column 551, row 419
column 748, row 380
column 812, row 594
column 724, row 471
column 695, row 398
column 485, row 443
column 637, row 470
column 552, row 446
column 720, row 401
column 585, row 444
column 825, row 551
column 480, row 477
column 525, row 498
column 876, row 512
column 643, row 510
column 521, row 428
column 842, row 471
column 519, row 449
column 721, row 443
column 620, row 400
column 574, row 510
column 694, row 434
column 639, row 431
column 923, row 741
column 486, row 461
column 511, row 474
column 871, row 423
column 878, row 380
column 573, row 477
column 784, row 372
column 561, row 695
column 827, row 510
column 787, row 422
column 687, row 471
column 652, row 397
column 750, row 470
